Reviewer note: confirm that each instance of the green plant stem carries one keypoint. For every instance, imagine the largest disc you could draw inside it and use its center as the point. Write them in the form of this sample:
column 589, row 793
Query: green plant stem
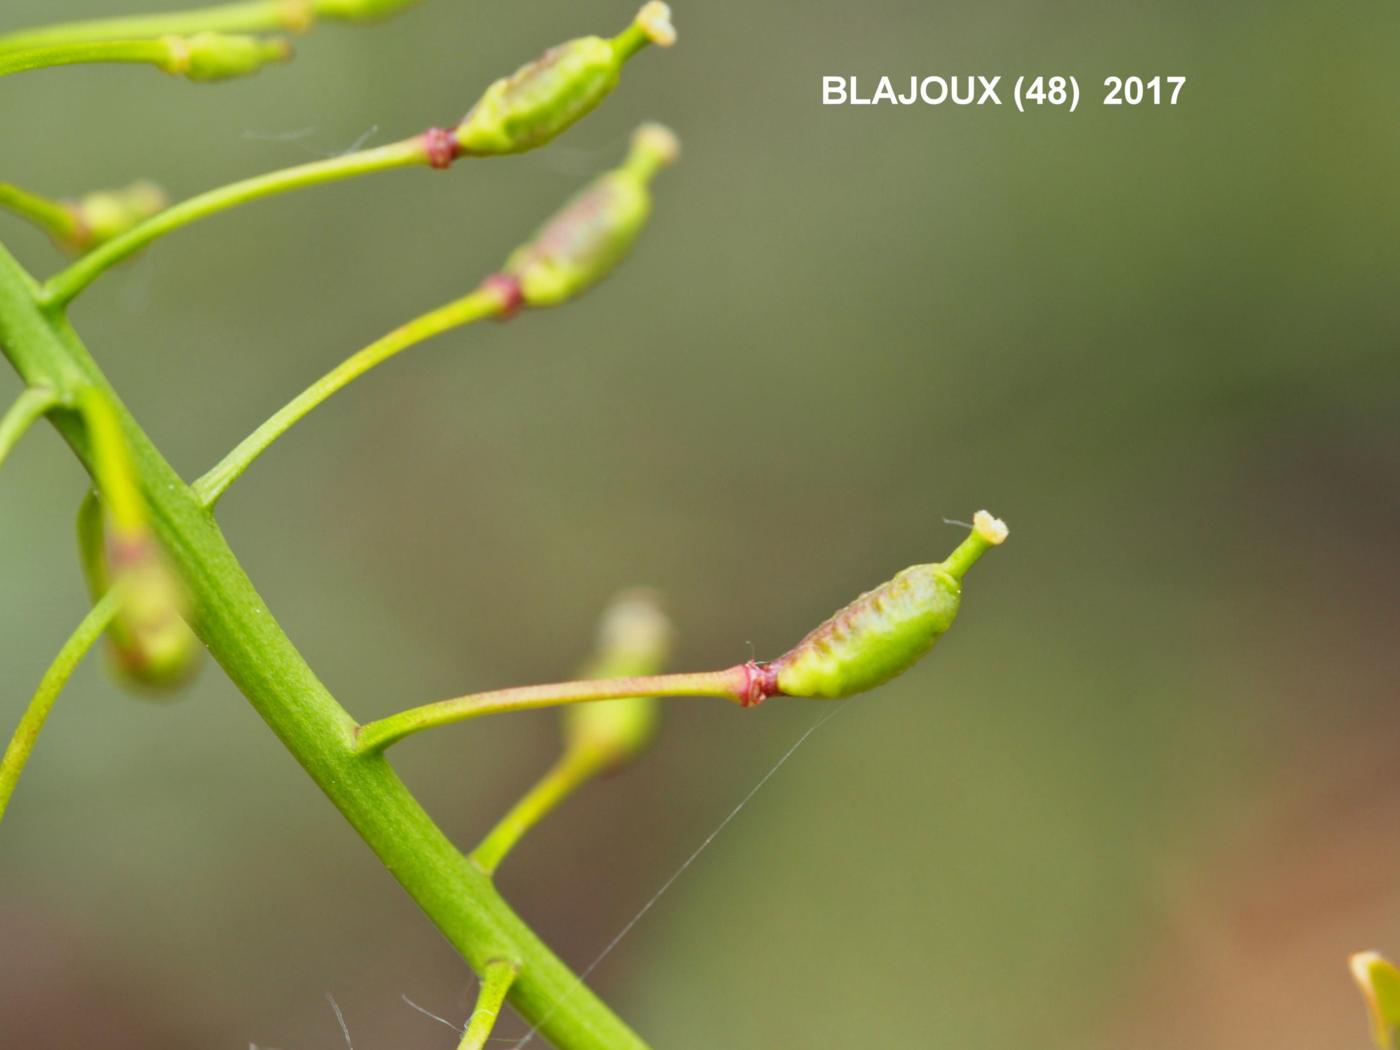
column 55, row 678
column 495, row 983
column 255, row 16
column 574, row 768
column 42, row 56
column 374, row 737
column 54, row 217
column 241, row 634
column 482, row 303
column 30, row 407
column 64, row 286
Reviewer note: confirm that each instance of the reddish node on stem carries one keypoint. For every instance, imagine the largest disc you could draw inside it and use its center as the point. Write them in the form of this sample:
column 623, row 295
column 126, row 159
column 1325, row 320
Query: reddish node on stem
column 760, row 682
column 441, row 146
column 507, row 289
column 82, row 229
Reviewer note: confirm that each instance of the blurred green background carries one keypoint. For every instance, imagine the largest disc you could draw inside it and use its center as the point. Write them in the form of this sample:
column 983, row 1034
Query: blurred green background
column 1147, row 792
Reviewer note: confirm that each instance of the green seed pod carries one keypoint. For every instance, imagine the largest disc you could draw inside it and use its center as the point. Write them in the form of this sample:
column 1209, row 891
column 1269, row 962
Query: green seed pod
column 884, row 632
column 150, row 641
column 150, row 644
column 634, row 639
column 594, row 231
column 1380, row 985
column 360, row 10
column 206, row 57
column 106, row 214
column 547, row 96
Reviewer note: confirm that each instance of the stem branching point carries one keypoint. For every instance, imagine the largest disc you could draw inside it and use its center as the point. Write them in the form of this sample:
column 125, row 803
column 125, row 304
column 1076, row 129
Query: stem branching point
column 495, row 983
column 30, row 407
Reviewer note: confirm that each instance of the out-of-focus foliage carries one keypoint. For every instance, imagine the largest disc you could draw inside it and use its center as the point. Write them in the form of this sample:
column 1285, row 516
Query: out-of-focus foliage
column 1146, row 791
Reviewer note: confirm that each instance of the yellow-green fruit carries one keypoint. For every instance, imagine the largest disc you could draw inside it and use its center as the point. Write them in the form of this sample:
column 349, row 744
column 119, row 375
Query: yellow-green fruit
column 885, row 631
column 109, row 213
column 593, row 232
column 878, row 636
column 634, row 639
column 150, row 643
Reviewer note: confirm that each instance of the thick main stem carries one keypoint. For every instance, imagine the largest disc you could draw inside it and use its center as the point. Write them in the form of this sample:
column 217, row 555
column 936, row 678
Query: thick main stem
column 240, row 632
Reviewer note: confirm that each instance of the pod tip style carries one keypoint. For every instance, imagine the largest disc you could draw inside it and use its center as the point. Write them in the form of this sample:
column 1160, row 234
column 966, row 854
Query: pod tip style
column 634, row 633
column 658, row 142
column 654, row 19
column 634, row 638
column 987, row 532
column 991, row 529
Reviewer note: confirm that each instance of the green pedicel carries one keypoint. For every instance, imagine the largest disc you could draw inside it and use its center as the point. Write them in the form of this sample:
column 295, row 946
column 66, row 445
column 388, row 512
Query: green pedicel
column 360, row 10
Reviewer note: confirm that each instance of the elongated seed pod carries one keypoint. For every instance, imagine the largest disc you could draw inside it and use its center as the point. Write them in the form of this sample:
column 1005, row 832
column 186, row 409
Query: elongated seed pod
column 634, row 639
column 206, row 57
column 545, row 97
column 150, row 641
column 592, row 233
column 885, row 631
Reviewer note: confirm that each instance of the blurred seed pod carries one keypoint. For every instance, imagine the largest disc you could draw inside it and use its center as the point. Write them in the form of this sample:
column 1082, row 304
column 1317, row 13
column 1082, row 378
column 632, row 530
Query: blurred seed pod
column 634, row 639
column 105, row 214
column 150, row 644
column 594, row 231
column 206, row 57
column 149, row 640
column 547, row 96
